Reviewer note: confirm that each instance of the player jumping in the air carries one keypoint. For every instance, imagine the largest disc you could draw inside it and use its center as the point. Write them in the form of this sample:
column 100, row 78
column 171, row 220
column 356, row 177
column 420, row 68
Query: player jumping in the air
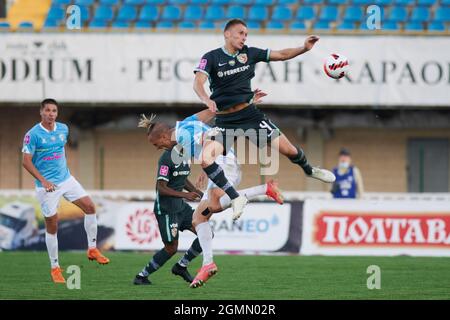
column 172, row 213
column 230, row 70
column 45, row 159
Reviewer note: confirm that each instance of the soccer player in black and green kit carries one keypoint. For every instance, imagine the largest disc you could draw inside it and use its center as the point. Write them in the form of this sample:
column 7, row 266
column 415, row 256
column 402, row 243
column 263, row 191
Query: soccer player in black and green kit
column 173, row 215
column 230, row 70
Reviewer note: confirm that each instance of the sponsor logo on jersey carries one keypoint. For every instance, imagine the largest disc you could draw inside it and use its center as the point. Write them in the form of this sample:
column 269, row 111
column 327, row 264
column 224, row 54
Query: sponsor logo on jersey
column 164, row 171
column 27, row 139
column 181, row 173
column 221, row 74
column 202, row 64
column 232, row 63
column 242, row 58
column 222, row 64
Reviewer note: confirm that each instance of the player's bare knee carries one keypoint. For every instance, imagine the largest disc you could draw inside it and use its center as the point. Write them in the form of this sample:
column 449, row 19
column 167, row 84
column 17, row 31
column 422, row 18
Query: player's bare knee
column 51, row 224
column 90, row 209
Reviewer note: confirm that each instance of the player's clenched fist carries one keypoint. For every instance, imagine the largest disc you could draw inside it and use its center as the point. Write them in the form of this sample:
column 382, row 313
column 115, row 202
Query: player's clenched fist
column 310, row 41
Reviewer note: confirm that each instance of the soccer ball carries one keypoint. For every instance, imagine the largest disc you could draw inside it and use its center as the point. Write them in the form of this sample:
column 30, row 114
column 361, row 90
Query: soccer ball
column 336, row 66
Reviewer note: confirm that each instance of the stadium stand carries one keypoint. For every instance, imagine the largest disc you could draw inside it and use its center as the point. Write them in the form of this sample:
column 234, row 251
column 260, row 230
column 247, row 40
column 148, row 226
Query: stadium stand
column 329, row 15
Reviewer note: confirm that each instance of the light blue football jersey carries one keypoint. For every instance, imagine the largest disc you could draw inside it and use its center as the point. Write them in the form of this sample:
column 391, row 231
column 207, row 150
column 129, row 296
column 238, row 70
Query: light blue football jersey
column 47, row 149
column 189, row 133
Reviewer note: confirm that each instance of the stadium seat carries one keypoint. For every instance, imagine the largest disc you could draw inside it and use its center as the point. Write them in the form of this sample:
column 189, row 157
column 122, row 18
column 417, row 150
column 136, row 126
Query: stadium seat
column 362, row 2
column 56, row 13
column 193, row 13
column 436, row 26
column 286, row 2
column 305, row 13
column 149, row 13
column 337, row 2
column 110, row 2
column 187, row 25
column 430, row 2
column 442, row 14
column 203, row 2
column 264, row 2
column 353, row 13
column 297, row 25
column 311, row 2
column 398, row 14
column 281, row 13
column 275, row 25
column 254, row 25
column 155, row 2
column 170, row 13
column 328, row 13
column 142, row 25
column 84, row 2
column 207, row 25
column 61, row 2
column 98, row 24
column 382, row 2
column 104, row 13
column 26, row 25
column 4, row 25
column 50, row 23
column 420, row 14
column 390, row 26
column 346, row 25
column 445, row 2
column 404, row 2
column 220, row 2
column 127, row 13
column 242, row 2
column 414, row 26
column 134, row 2
column 322, row 25
column 165, row 25
column 214, row 13
column 258, row 13
column 120, row 24
column 237, row 12
column 177, row 2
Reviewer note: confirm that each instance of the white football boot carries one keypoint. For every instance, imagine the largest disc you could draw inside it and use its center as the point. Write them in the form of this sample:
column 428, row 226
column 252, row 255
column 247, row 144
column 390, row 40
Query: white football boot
column 323, row 175
column 238, row 204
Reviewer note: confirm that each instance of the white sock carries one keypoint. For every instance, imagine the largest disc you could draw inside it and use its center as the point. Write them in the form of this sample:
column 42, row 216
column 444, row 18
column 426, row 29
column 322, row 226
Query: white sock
column 204, row 234
column 51, row 240
column 90, row 225
column 250, row 193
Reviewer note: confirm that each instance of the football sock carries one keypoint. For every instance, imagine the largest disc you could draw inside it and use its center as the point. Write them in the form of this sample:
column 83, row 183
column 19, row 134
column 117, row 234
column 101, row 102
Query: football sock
column 250, row 193
column 90, row 225
column 51, row 240
column 158, row 260
column 301, row 160
column 205, row 236
column 192, row 252
column 216, row 174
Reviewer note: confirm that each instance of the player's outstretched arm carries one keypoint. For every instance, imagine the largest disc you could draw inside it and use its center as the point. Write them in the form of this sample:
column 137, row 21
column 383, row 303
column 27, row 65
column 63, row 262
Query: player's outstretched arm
column 189, row 186
column 164, row 190
column 199, row 88
column 29, row 166
column 289, row 53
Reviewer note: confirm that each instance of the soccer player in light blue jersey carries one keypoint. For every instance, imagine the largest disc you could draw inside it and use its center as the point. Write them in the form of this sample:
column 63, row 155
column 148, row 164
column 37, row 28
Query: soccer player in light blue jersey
column 44, row 158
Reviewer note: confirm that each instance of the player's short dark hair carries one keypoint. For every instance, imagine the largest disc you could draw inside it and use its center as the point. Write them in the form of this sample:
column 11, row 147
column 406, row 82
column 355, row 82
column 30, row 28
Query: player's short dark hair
column 234, row 22
column 48, row 101
column 344, row 152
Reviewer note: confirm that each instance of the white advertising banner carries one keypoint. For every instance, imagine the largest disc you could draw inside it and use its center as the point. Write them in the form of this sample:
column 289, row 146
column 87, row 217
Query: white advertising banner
column 158, row 68
column 371, row 228
column 262, row 227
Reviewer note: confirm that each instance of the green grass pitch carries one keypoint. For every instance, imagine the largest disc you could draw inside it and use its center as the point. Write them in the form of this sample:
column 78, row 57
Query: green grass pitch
column 25, row 275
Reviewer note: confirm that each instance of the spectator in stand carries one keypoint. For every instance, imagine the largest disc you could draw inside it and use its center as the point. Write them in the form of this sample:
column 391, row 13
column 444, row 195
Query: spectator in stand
column 349, row 182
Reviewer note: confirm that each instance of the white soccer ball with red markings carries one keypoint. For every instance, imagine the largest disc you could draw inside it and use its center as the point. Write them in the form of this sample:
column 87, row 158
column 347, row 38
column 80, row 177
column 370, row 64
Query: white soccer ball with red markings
column 336, row 66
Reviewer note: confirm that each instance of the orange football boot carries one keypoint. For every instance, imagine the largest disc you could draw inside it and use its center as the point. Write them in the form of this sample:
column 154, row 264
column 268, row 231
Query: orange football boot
column 274, row 192
column 95, row 254
column 204, row 274
column 57, row 275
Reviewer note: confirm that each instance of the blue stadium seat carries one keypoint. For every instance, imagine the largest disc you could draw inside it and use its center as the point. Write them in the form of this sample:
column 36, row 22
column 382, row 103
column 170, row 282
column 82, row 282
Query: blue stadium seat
column 187, row 25
column 177, row 2
column 264, row 2
column 254, row 25
column 328, row 13
column 199, row 1
column 442, row 14
column 49, row 23
column 414, row 26
column 275, row 25
column 98, row 24
column 353, row 13
column 322, row 25
column 398, row 14
column 430, row 2
column 170, row 13
column 390, row 26
column 193, row 13
column 155, row 2
column 165, row 25
column 420, row 14
column 85, row 13
column 207, row 25
column 362, row 2
column 149, row 13
column 436, row 26
column 26, row 25
column 56, row 13
column 104, row 13
column 109, row 2
column 214, row 13
column 133, row 2
column 346, row 25
column 445, row 2
column 221, row 2
column 61, row 2
column 404, row 2
column 258, row 13
column 337, row 2
column 297, row 25
column 287, row 2
column 120, row 24
column 142, row 24
column 84, row 2
column 237, row 12
column 242, row 2
column 383, row 2
column 309, row 2
column 127, row 13
column 281, row 13
column 305, row 13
